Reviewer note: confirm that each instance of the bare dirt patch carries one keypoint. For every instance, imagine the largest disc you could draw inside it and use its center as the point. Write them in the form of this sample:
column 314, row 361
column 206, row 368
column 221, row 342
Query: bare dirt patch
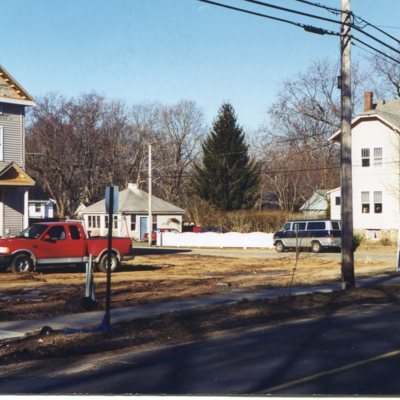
column 155, row 278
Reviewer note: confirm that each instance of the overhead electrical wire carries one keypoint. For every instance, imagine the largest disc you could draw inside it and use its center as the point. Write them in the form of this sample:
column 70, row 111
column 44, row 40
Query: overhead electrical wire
column 351, row 25
column 308, row 28
column 356, row 17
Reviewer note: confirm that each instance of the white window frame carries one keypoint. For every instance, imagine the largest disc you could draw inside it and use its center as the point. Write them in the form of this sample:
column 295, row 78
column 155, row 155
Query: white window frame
column 365, row 203
column 378, row 202
column 378, row 156
column 365, row 156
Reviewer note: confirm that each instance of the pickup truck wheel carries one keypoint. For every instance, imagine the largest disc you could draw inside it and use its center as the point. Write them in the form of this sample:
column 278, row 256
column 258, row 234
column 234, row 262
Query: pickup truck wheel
column 21, row 263
column 102, row 265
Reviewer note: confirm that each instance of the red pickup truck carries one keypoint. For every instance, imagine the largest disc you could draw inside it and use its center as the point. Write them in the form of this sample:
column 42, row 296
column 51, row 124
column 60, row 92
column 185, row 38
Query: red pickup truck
column 55, row 243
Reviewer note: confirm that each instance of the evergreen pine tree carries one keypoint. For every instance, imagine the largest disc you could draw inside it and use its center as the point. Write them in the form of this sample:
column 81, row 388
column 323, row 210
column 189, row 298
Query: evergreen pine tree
column 227, row 177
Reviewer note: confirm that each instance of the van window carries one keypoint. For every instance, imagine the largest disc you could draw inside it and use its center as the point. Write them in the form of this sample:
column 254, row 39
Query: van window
column 301, row 226
column 335, row 225
column 286, row 227
column 316, row 225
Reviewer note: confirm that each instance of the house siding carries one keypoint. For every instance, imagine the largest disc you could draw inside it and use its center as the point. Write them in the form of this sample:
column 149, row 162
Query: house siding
column 384, row 178
column 13, row 199
column 12, row 121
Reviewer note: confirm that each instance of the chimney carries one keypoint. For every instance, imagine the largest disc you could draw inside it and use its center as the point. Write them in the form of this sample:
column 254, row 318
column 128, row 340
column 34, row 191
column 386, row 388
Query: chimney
column 368, row 101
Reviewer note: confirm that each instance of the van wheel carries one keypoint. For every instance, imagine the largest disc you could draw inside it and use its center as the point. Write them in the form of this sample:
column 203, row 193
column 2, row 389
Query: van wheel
column 316, row 247
column 21, row 263
column 280, row 247
column 102, row 265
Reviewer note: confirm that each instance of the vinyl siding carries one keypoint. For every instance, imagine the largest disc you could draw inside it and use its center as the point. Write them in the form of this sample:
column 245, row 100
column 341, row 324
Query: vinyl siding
column 12, row 121
column 13, row 199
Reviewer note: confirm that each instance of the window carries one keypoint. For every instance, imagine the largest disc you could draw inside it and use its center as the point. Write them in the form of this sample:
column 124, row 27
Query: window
column 301, row 226
column 378, row 202
column 365, row 157
column 56, row 233
column 286, row 227
column 154, row 222
column 365, row 202
column 316, row 225
column 94, row 221
column 377, row 156
column 38, row 208
column 115, row 219
column 337, row 200
column 335, row 225
column 75, row 232
column 133, row 222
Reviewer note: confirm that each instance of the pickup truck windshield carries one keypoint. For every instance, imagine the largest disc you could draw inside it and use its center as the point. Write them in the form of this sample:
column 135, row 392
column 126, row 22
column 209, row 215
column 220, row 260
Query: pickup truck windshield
column 33, row 232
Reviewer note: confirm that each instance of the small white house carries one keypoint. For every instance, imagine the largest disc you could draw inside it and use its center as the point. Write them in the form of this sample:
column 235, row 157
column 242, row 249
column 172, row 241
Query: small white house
column 131, row 218
column 41, row 209
column 375, row 146
column 316, row 206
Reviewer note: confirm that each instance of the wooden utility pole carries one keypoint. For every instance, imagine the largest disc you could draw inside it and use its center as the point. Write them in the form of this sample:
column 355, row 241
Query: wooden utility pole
column 150, row 216
column 348, row 279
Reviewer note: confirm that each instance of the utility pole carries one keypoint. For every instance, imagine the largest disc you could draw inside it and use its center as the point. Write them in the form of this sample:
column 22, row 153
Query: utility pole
column 348, row 279
column 150, row 216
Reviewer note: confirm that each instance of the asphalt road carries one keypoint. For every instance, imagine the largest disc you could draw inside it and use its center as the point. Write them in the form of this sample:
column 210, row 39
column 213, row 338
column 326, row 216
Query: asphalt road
column 354, row 353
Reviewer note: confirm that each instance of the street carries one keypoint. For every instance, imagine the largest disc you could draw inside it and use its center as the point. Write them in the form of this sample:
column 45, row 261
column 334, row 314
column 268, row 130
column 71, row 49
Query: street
column 356, row 352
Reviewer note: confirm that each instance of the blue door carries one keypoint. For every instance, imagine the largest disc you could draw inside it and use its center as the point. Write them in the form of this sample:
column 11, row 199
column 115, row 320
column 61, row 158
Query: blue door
column 143, row 227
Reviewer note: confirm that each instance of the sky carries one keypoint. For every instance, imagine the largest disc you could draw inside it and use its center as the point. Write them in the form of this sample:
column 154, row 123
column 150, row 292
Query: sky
column 171, row 50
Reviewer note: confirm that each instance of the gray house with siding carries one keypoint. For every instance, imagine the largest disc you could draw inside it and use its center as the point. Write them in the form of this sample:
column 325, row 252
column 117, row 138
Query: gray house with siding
column 131, row 218
column 14, row 181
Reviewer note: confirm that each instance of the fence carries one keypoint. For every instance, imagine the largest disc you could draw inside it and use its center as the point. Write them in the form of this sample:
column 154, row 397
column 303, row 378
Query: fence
column 212, row 239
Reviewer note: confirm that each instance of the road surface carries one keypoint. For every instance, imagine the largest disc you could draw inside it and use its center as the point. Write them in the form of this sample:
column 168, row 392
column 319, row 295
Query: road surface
column 357, row 352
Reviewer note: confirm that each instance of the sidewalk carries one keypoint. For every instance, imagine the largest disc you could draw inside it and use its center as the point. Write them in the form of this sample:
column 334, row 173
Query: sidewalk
column 93, row 319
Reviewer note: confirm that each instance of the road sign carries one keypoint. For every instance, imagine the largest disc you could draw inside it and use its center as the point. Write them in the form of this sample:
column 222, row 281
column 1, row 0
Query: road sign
column 112, row 192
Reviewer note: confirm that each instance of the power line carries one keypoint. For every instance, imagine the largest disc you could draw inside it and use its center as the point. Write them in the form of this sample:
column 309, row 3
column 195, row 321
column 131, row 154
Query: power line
column 308, row 28
column 356, row 17
column 377, row 50
column 329, row 20
column 330, row 9
column 376, row 55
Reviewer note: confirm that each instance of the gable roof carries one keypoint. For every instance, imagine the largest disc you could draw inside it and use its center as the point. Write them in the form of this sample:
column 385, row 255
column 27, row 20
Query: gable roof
column 12, row 92
column 134, row 200
column 386, row 111
column 317, row 202
column 11, row 174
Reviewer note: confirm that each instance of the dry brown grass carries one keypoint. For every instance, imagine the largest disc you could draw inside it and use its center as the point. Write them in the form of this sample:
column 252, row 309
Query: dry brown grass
column 154, row 278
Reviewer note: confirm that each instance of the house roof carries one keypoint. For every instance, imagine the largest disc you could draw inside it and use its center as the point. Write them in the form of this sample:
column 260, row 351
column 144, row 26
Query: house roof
column 386, row 111
column 12, row 174
column 134, row 200
column 317, row 202
column 12, row 92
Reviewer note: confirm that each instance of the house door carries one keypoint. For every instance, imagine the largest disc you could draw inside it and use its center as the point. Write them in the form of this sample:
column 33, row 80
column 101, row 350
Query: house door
column 143, row 227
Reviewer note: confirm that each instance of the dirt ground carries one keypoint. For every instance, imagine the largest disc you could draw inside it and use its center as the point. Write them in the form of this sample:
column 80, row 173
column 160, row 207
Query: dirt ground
column 56, row 291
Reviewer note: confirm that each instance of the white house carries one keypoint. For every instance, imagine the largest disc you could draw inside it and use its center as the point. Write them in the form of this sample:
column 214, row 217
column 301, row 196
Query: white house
column 132, row 215
column 375, row 155
column 41, row 209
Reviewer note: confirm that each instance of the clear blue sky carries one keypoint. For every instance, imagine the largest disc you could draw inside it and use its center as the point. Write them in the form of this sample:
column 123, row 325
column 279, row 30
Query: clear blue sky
column 168, row 50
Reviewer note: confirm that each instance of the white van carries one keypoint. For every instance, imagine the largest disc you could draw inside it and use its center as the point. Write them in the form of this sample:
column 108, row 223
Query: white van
column 313, row 234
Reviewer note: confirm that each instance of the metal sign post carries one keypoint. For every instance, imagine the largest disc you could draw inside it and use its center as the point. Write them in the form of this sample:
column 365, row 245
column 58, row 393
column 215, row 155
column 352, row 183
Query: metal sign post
column 111, row 207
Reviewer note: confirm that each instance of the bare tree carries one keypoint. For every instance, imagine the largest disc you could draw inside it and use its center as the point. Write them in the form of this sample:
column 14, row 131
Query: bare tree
column 385, row 77
column 181, row 131
column 306, row 113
